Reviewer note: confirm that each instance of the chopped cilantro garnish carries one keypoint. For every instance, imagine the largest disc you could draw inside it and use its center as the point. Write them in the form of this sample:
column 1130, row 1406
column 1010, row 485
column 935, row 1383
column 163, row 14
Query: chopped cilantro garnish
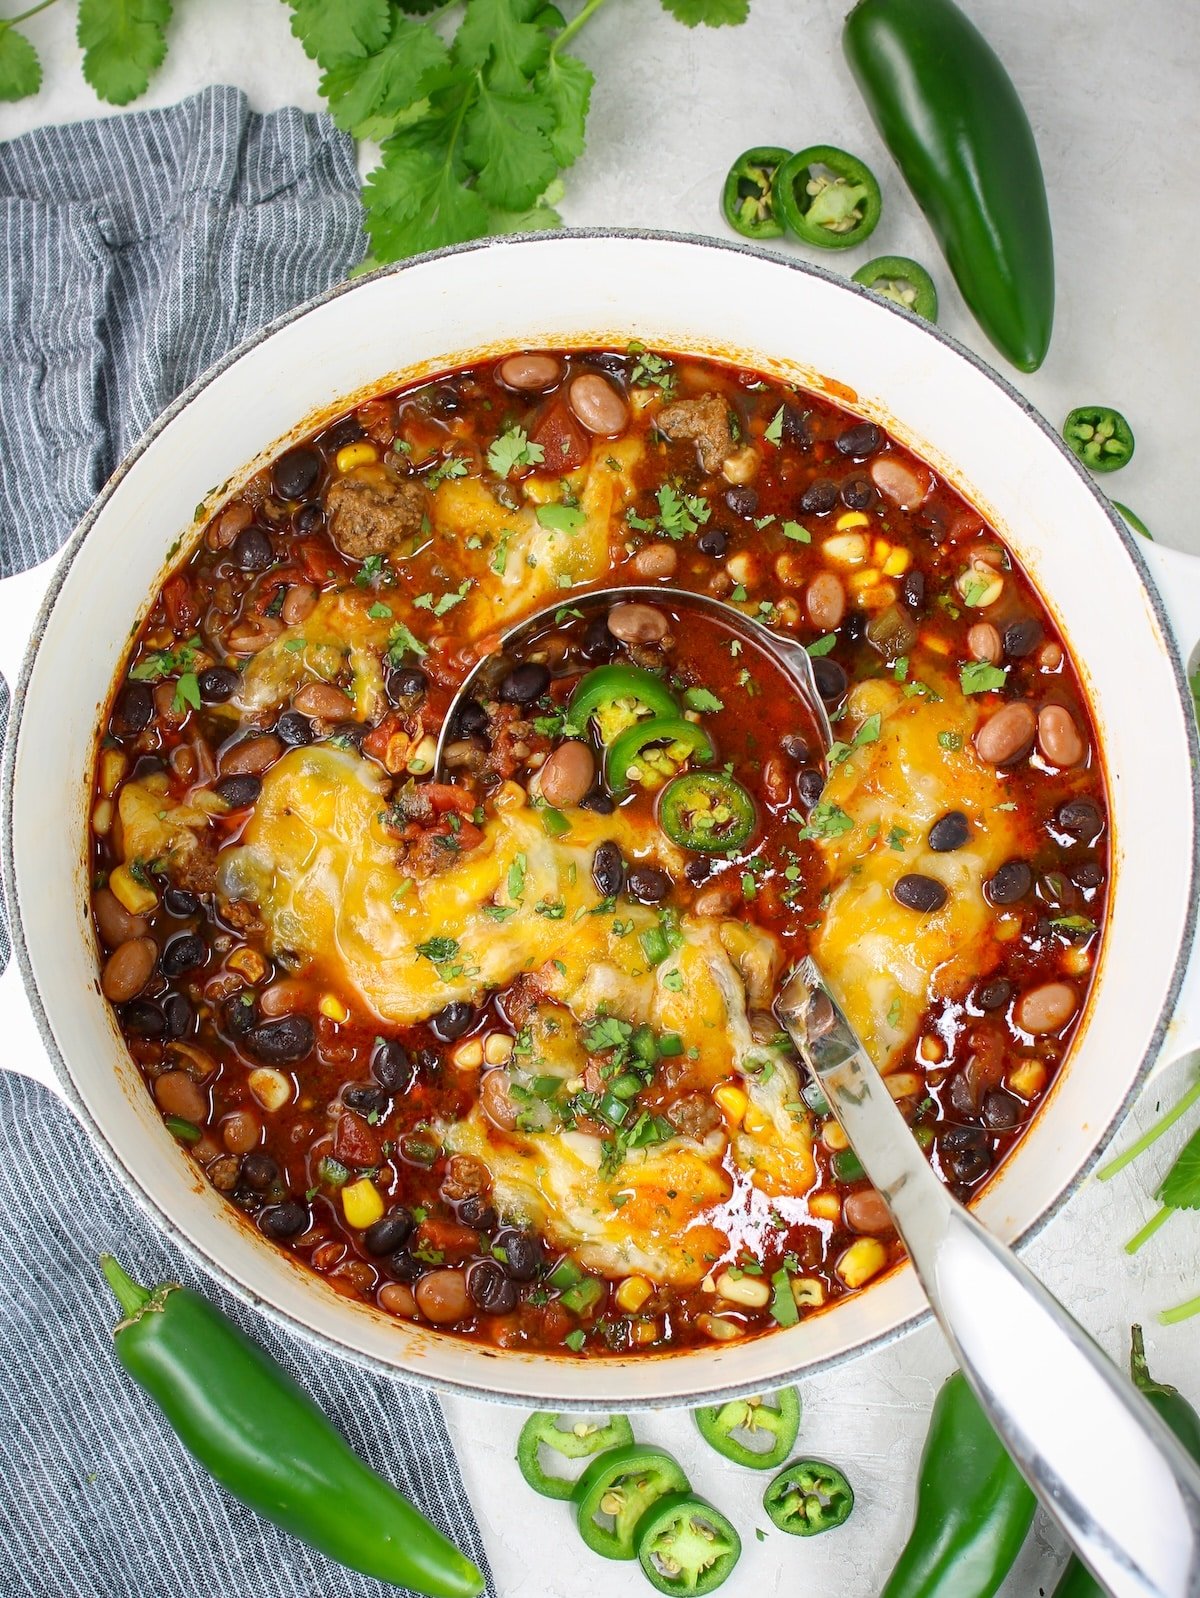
column 560, row 518
column 513, row 448
column 980, row 677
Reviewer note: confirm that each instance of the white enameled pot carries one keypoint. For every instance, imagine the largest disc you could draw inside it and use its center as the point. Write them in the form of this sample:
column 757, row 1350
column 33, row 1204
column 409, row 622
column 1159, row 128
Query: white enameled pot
column 684, row 295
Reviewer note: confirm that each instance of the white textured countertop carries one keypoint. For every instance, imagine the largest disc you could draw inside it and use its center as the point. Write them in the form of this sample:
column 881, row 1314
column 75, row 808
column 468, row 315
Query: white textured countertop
column 1111, row 91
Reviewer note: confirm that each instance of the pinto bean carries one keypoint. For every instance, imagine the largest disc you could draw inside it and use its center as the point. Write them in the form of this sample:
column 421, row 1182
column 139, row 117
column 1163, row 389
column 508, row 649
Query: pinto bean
column 567, row 774
column 1059, row 738
column 240, row 1131
column 597, row 405
column 655, row 561
column 719, row 898
column 984, row 643
column 252, row 633
column 114, row 921
column 177, row 1094
column 251, row 756
column 323, row 701
column 637, row 624
column 298, row 604
column 1007, row 736
column 442, row 1297
column 866, row 1212
column 825, row 601
column 529, row 373
column 397, row 1298
column 494, row 1097
column 284, row 998
column 1047, row 1008
column 232, row 520
column 128, row 969
column 905, row 483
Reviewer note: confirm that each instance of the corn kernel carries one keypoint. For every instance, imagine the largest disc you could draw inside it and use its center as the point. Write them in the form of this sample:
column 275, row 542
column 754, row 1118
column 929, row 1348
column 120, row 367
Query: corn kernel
column 931, row 1049
column 1028, row 1079
column 852, row 518
column 102, row 818
column 361, row 1203
column 750, row 1291
column 112, row 768
column 645, row 1331
column 719, row 1329
column 880, row 551
column 132, row 895
column 742, row 567
column 422, row 757
column 248, row 963
column 867, row 578
column 332, row 1008
column 825, row 1207
column 935, row 641
column 808, row 1291
column 1006, row 928
column 633, row 1293
column 352, row 455
column 846, row 549
column 395, row 756
column 755, row 1121
column 1077, row 961
column 469, row 1055
column 897, row 563
column 834, row 1138
column 878, row 597
column 904, row 1084
column 497, row 1048
column 733, row 1101
column 865, row 1258
column 270, row 1087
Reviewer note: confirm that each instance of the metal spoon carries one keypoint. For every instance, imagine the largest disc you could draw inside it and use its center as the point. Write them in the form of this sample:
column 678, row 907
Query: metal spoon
column 1090, row 1446
column 792, row 657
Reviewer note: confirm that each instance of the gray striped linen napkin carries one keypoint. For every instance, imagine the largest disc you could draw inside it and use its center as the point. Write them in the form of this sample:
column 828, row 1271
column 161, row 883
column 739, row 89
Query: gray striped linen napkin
column 133, row 252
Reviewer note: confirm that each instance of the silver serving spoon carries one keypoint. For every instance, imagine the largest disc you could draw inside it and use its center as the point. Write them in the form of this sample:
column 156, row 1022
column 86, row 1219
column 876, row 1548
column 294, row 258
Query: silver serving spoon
column 792, row 657
column 1087, row 1442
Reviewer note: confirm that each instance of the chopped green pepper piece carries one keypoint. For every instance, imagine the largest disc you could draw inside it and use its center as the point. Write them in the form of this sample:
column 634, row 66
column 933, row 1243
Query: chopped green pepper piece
column 809, row 1497
column 827, row 197
column 580, row 1440
column 615, row 1491
column 707, row 811
column 906, row 282
column 686, row 1546
column 746, row 200
column 847, row 1166
column 725, row 1425
column 629, row 747
column 1100, row 437
column 185, row 1131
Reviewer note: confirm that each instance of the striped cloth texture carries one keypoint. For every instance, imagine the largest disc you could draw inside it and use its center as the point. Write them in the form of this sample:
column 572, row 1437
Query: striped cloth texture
column 133, row 252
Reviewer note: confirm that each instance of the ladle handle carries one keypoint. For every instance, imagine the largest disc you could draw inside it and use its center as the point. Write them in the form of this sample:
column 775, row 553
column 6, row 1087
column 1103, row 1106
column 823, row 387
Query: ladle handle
column 1091, row 1447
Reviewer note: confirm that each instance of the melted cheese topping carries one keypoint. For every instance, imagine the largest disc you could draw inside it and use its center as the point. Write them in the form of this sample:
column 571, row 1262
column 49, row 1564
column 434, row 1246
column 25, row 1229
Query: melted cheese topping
column 884, row 961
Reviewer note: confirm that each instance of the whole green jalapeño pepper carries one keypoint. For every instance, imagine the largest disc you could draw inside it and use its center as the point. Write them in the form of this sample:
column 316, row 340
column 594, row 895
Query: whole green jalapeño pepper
column 949, row 114
column 903, row 281
column 827, row 197
column 578, row 1440
column 264, row 1440
column 707, row 811
column 686, row 1546
column 1077, row 1580
column 654, row 749
column 974, row 1509
column 617, row 1489
column 746, row 200
column 758, row 1421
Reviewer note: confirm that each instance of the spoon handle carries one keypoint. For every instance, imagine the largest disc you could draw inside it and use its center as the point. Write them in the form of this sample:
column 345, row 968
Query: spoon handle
column 1091, row 1447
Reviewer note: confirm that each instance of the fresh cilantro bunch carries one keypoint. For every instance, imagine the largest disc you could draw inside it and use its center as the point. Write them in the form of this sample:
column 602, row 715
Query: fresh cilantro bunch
column 123, row 41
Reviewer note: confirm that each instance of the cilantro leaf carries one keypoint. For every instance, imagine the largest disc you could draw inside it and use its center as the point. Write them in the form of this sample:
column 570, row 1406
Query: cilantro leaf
column 712, row 13
column 123, row 42
column 702, row 699
column 783, row 1301
column 20, row 69
column 402, row 642
column 1181, row 1190
column 187, row 692
column 511, row 449
column 560, row 518
column 502, row 36
column 365, row 96
column 415, row 198
column 506, row 143
column 347, row 31
column 979, row 677
column 567, row 86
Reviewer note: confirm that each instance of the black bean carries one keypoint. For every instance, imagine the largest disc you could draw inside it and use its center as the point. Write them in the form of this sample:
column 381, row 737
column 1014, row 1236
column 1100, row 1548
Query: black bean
column 965, row 1154
column 135, row 707
column 810, row 785
column 187, row 952
column 608, row 870
column 859, row 441
column 858, row 492
column 390, row 1232
column 796, row 428
column 296, row 472
column 597, row 800
column 177, row 1013
column 1088, row 874
column 648, row 884
column 446, row 400
column 1001, row 1110
column 347, row 430
column 522, row 1255
column 240, row 1014
column 698, row 870
column 259, row 1170
column 239, row 791
column 994, row 995
column 796, row 747
column 475, row 1211
column 143, row 1019
column 598, row 643
column 819, row 497
column 1022, row 637
column 179, row 902
column 1011, row 883
column 471, row 720
column 1081, row 819
column 310, row 518
column 916, row 892
column 452, row 1021
column 282, row 1041
column 427, row 1060
column 713, row 542
column 282, row 1221
column 830, row 678
column 392, row 1066
column 490, row 1289
column 949, row 832
column 404, row 1267
column 218, row 684
column 366, row 1098
column 294, row 729
column 351, row 732
column 524, row 684
column 252, row 550
column 742, row 500
column 914, row 590
column 410, row 682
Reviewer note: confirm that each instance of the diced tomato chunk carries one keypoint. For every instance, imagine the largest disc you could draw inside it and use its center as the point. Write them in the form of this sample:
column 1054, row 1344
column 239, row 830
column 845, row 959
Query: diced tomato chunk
column 355, row 1142
column 563, row 442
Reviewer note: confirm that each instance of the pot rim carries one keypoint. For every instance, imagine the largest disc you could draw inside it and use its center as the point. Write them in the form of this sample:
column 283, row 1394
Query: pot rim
column 20, row 951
